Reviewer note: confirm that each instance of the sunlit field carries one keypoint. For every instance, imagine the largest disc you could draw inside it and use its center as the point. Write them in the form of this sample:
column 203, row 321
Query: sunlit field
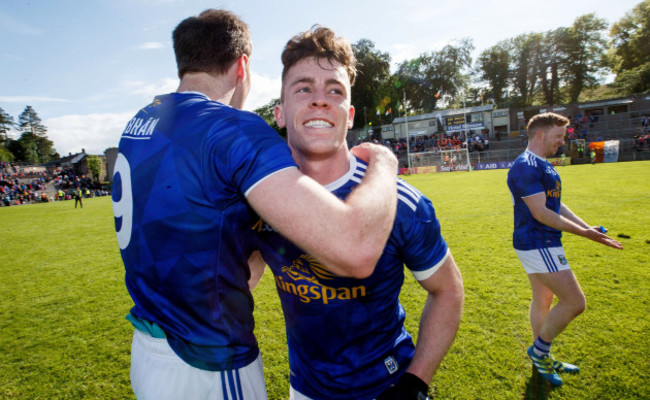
column 63, row 334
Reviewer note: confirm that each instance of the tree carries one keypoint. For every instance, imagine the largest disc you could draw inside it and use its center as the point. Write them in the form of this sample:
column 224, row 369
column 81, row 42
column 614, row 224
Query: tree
column 630, row 50
column 436, row 75
column 6, row 124
column 585, row 49
column 29, row 121
column 411, row 77
column 95, row 166
column 35, row 146
column 5, row 154
column 267, row 113
column 552, row 64
column 525, row 50
column 371, row 93
column 492, row 66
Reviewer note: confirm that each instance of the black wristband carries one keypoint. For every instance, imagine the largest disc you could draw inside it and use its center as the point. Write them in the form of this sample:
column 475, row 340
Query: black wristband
column 412, row 381
column 409, row 387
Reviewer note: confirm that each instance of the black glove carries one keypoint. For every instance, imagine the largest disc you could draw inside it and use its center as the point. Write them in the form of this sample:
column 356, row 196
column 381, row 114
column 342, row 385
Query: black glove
column 409, row 387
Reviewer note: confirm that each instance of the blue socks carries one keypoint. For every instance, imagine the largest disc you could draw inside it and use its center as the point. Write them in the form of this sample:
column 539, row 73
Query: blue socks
column 541, row 348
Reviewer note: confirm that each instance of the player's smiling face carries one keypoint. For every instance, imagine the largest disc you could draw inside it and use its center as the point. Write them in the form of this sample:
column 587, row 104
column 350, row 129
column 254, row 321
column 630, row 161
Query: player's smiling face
column 316, row 107
column 553, row 139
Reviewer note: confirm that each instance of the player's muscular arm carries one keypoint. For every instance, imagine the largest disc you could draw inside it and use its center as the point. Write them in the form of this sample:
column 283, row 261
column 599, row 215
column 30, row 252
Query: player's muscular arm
column 439, row 321
column 571, row 216
column 569, row 223
column 347, row 237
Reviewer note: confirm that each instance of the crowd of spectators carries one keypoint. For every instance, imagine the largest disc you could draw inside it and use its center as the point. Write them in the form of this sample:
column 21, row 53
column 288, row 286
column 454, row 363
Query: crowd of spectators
column 580, row 125
column 584, row 128
column 642, row 141
column 24, row 185
column 438, row 141
column 457, row 140
column 20, row 187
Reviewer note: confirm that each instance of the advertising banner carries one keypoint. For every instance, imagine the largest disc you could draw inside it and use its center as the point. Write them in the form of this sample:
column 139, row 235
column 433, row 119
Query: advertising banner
column 450, row 168
column 463, row 127
column 494, row 165
column 457, row 123
column 559, row 161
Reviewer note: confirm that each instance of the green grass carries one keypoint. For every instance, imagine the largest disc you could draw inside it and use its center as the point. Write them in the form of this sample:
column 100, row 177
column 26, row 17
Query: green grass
column 63, row 334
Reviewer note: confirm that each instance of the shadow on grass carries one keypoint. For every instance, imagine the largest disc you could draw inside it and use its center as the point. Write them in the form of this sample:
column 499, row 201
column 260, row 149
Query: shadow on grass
column 537, row 388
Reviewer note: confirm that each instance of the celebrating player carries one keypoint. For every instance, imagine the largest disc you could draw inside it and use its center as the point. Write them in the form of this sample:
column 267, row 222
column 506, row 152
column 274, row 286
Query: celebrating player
column 346, row 336
column 540, row 219
column 190, row 167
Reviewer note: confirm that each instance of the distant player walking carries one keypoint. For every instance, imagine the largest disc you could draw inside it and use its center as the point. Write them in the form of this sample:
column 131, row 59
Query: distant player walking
column 540, row 219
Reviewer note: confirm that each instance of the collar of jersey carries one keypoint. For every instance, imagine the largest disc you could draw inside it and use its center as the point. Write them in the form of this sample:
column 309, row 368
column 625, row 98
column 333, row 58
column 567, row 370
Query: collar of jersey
column 197, row 93
column 530, row 152
column 346, row 177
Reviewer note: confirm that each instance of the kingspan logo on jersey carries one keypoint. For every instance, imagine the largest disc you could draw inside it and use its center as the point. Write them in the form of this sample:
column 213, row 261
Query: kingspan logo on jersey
column 304, row 278
column 557, row 192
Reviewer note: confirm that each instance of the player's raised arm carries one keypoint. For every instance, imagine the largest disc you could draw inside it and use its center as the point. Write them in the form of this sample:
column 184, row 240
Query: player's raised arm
column 347, row 237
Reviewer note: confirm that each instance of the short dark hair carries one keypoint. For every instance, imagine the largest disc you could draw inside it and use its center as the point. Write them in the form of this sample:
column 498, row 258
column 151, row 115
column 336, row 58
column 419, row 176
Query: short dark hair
column 545, row 121
column 319, row 42
column 210, row 42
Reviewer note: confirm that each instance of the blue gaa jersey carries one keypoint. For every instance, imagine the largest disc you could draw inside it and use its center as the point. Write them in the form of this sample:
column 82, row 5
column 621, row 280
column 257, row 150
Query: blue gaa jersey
column 346, row 336
column 529, row 175
column 184, row 166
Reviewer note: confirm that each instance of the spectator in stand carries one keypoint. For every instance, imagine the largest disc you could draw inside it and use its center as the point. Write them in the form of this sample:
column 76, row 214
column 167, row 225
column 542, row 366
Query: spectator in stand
column 578, row 121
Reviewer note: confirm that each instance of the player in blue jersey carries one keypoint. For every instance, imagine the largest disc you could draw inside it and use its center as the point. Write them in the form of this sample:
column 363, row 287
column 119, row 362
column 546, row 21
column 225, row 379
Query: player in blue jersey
column 346, row 336
column 540, row 219
column 191, row 169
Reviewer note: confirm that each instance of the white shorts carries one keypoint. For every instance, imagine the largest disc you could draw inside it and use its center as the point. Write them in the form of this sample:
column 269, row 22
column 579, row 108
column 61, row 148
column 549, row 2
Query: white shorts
column 296, row 395
column 157, row 373
column 543, row 261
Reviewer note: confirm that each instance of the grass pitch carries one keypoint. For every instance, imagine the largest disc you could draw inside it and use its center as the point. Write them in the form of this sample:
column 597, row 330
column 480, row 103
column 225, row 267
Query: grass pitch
column 63, row 334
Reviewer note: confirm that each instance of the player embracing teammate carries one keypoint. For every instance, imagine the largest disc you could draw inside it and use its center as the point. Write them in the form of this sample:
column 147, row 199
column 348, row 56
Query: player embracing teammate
column 346, row 333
